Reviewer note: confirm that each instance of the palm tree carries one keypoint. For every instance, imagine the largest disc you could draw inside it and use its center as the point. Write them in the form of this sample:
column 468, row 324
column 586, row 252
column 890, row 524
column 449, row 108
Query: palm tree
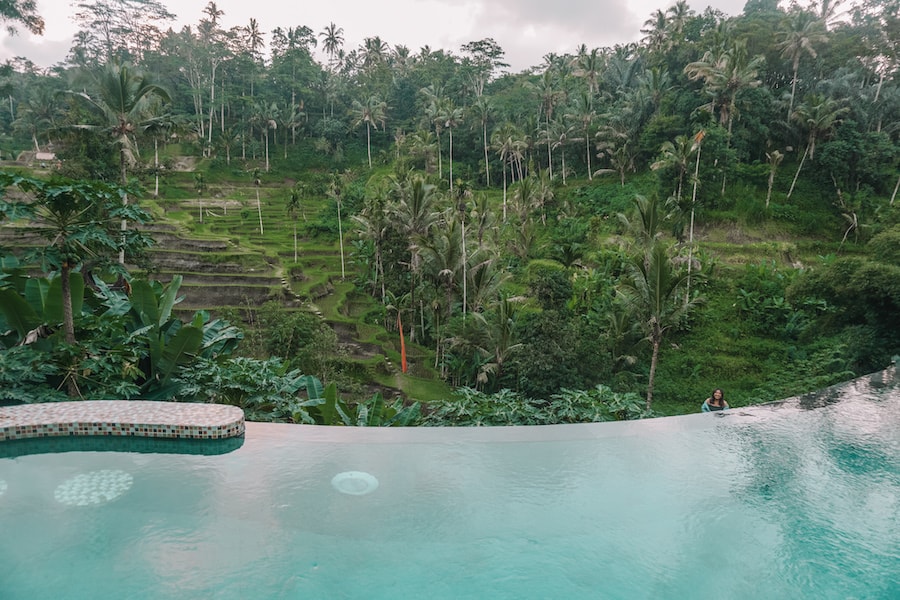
column 415, row 213
column 265, row 117
column 423, row 145
column 124, row 103
column 452, row 117
column 371, row 112
column 126, row 100
column 372, row 226
column 483, row 108
column 818, row 115
column 494, row 336
column 293, row 207
column 254, row 43
column 725, row 74
column 443, row 263
column 589, row 66
column 374, row 52
column 559, row 135
column 676, row 155
column 802, row 31
column 334, row 191
column 161, row 128
column 332, row 39
column 504, row 140
column 651, row 290
column 227, row 140
column 655, row 32
column 434, row 113
column 583, row 112
column 36, row 115
column 678, row 15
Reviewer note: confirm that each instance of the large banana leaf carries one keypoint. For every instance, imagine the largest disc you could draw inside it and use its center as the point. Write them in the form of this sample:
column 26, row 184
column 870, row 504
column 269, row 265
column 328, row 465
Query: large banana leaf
column 314, row 389
column 143, row 302
column 36, row 291
column 18, row 313
column 179, row 349
column 169, row 299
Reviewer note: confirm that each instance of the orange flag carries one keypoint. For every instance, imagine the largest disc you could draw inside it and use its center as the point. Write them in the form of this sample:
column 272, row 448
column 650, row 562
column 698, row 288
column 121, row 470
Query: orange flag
column 402, row 344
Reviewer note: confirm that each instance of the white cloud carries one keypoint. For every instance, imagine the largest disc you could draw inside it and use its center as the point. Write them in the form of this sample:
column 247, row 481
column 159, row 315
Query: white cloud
column 526, row 29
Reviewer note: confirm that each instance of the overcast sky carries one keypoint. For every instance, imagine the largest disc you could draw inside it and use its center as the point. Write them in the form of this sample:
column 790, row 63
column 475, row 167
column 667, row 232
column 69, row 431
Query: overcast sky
column 525, row 29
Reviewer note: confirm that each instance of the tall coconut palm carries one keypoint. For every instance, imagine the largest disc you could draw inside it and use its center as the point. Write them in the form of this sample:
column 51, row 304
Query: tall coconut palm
column 725, row 74
column 416, row 213
column 818, row 115
column 678, row 15
column 802, row 31
column 374, row 52
column 264, row 117
column 372, row 224
column 434, row 112
column 655, row 30
column 371, row 112
column 558, row 134
column 582, row 111
column 505, row 140
column 332, row 40
column 589, row 66
column 443, row 263
column 452, row 116
column 254, row 43
column 483, row 108
column 125, row 100
column 676, row 155
column 651, row 290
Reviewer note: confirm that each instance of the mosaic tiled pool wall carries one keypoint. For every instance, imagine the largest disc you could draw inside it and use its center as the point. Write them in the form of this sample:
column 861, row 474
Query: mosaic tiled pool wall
column 121, row 418
column 141, row 445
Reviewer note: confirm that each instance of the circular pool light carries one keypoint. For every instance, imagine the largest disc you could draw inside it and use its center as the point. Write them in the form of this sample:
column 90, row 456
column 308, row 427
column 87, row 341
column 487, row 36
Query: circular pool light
column 93, row 488
column 354, row 483
column 2, row 486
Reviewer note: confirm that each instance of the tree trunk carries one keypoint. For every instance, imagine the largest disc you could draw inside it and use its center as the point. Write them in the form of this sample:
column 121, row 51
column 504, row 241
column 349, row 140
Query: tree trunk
column 259, row 211
column 451, row 158
column 156, row 166
column 487, row 170
column 651, row 380
column 797, row 174
column 587, row 145
column 68, row 322
column 369, row 144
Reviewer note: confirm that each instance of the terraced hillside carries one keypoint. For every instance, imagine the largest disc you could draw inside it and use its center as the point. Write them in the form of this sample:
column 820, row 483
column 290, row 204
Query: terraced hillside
column 236, row 251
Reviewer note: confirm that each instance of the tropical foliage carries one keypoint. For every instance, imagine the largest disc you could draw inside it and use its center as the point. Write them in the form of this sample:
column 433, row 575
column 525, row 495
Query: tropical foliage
column 533, row 232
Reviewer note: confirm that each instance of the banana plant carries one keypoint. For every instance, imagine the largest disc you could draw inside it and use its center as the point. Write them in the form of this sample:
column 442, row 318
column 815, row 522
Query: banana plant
column 330, row 409
column 28, row 304
column 169, row 344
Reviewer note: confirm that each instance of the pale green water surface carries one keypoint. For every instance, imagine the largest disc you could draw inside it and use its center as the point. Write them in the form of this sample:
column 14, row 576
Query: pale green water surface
column 799, row 499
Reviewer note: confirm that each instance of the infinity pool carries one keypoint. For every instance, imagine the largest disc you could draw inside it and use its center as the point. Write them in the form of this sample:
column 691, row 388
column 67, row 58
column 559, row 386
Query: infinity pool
column 798, row 499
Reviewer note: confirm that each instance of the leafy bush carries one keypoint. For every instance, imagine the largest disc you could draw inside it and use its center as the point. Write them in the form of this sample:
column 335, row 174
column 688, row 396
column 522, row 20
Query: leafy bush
column 469, row 407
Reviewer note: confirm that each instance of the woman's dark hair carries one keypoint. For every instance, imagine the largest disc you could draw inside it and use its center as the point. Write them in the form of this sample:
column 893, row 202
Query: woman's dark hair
column 713, row 395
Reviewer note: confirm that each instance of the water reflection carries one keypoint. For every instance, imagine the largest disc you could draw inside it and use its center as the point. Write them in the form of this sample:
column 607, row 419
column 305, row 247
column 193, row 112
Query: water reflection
column 799, row 498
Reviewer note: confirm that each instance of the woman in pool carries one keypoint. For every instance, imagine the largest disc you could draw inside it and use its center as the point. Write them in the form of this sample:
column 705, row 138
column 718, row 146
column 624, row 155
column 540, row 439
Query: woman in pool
column 715, row 402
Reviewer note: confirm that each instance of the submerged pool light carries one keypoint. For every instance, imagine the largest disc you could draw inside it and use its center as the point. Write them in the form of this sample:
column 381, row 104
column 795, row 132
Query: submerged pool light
column 96, row 487
column 355, row 483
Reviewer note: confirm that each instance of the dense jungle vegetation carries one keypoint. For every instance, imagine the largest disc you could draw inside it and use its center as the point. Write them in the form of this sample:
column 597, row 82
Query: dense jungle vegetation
column 607, row 235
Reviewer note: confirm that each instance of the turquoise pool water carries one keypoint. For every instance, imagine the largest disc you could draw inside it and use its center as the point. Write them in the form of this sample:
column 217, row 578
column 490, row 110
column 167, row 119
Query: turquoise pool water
column 799, row 499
